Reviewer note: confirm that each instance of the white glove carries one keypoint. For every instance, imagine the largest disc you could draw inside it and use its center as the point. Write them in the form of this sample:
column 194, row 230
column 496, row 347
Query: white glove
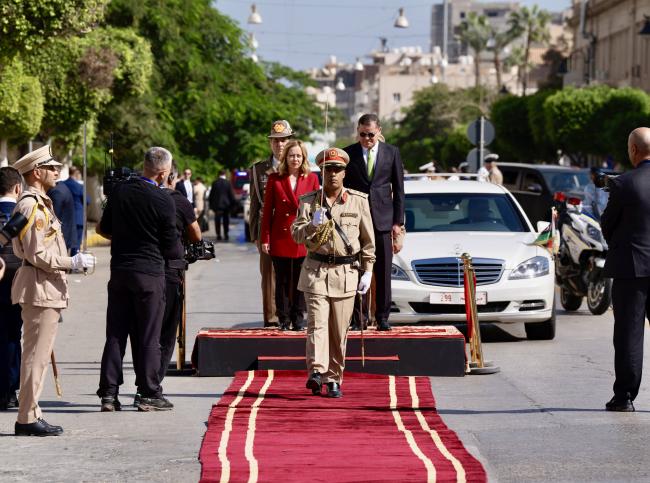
column 364, row 283
column 319, row 217
column 83, row 260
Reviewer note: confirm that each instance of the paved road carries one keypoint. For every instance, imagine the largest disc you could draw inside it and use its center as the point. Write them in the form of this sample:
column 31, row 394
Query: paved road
column 540, row 419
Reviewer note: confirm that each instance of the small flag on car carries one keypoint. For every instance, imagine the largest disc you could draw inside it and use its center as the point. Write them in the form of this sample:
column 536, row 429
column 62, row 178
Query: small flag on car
column 549, row 238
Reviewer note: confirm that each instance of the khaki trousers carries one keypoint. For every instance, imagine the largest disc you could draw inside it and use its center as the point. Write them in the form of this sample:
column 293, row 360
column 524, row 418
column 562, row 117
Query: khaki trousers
column 328, row 320
column 268, row 289
column 40, row 325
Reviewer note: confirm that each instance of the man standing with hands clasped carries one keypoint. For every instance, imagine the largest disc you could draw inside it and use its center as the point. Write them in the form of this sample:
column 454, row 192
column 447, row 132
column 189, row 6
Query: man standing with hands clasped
column 40, row 285
column 376, row 168
column 626, row 227
column 336, row 227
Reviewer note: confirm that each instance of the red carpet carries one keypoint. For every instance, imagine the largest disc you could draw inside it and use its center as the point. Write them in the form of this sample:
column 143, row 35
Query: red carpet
column 268, row 427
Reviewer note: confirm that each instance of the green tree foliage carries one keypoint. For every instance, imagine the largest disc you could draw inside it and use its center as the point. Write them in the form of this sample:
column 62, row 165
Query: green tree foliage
column 207, row 95
column 435, row 113
column 475, row 32
column 544, row 147
column 21, row 103
column 28, row 24
column 514, row 139
column 455, row 147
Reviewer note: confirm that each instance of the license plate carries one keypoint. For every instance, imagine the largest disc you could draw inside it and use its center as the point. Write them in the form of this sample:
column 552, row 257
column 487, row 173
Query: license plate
column 455, row 298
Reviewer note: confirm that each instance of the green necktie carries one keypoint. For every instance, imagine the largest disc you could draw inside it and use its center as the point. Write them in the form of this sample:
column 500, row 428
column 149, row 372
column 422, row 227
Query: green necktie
column 371, row 163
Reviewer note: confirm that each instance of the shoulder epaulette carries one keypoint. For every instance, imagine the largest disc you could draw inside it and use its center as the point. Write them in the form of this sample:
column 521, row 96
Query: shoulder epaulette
column 310, row 194
column 358, row 193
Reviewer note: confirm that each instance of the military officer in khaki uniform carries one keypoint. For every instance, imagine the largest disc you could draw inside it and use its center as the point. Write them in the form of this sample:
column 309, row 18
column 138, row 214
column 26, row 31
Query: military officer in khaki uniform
column 281, row 133
column 40, row 285
column 336, row 228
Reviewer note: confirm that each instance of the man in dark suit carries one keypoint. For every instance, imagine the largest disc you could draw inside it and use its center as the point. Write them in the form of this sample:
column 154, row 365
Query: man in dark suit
column 376, row 168
column 626, row 227
column 73, row 182
column 184, row 185
column 222, row 200
column 63, row 202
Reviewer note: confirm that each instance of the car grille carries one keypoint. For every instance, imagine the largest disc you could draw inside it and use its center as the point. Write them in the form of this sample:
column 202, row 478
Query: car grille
column 425, row 308
column 448, row 272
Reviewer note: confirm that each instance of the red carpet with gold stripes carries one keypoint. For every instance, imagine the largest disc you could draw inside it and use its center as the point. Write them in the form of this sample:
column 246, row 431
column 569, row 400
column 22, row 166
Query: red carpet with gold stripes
column 268, row 427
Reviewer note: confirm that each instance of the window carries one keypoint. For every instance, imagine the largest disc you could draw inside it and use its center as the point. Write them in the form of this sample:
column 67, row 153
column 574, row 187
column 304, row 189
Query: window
column 510, row 177
column 567, row 180
column 462, row 212
column 397, row 97
column 532, row 183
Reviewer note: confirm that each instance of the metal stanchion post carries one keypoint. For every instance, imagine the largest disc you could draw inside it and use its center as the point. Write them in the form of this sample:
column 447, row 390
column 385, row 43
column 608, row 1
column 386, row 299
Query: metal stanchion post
column 477, row 364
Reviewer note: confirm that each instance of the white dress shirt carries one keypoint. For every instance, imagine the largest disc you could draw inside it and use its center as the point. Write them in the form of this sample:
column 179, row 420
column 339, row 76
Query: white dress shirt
column 188, row 190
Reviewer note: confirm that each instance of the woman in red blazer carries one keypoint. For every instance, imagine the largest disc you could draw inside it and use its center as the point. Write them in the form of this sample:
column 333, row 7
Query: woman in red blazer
column 281, row 198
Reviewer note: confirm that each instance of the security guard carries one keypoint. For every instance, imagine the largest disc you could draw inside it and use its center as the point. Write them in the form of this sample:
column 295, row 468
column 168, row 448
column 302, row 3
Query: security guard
column 280, row 134
column 336, row 227
column 40, row 285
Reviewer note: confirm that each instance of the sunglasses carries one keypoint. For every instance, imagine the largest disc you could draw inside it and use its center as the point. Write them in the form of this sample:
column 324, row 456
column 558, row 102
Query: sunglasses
column 49, row 168
column 335, row 169
column 367, row 135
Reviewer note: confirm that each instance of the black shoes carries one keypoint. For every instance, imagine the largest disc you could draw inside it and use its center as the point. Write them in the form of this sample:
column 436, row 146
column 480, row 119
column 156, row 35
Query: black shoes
column 110, row 404
column 334, row 390
column 298, row 325
column 154, row 404
column 315, row 383
column 623, row 405
column 285, row 325
column 136, row 399
column 40, row 427
column 383, row 325
column 8, row 401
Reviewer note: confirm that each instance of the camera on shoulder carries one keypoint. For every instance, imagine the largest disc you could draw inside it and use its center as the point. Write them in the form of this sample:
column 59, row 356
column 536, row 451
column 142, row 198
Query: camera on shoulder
column 201, row 250
column 114, row 176
column 602, row 178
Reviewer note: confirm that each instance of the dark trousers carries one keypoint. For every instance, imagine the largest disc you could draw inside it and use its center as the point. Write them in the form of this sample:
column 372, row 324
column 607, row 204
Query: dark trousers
column 221, row 216
column 11, row 325
column 631, row 307
column 289, row 301
column 381, row 275
column 136, row 302
column 171, row 321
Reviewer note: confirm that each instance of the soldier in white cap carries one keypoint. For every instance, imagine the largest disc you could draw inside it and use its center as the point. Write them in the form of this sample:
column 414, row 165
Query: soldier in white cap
column 336, row 227
column 280, row 134
column 40, row 285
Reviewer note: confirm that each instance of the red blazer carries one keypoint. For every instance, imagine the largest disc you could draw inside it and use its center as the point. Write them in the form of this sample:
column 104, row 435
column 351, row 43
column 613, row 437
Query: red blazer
column 280, row 209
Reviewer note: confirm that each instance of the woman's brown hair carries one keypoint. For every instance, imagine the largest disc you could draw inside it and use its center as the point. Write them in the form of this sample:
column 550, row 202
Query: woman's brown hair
column 304, row 167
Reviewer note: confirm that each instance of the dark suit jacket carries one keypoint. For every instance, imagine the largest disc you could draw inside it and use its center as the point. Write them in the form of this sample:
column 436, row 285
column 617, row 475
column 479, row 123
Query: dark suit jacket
column 77, row 191
column 222, row 196
column 626, row 225
column 385, row 190
column 63, row 203
column 260, row 172
column 180, row 186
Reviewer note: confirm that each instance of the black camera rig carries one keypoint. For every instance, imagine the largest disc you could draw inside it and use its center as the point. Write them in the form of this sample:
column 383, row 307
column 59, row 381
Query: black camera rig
column 602, row 179
column 12, row 228
column 201, row 250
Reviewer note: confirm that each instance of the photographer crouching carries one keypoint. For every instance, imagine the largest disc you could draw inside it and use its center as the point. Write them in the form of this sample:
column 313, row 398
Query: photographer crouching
column 139, row 218
column 188, row 229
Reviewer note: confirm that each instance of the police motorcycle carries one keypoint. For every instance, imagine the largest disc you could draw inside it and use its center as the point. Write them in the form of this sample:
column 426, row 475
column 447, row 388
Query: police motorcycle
column 581, row 258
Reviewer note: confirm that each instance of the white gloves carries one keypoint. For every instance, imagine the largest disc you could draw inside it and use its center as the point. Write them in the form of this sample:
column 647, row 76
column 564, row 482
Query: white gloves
column 319, row 217
column 364, row 283
column 83, row 260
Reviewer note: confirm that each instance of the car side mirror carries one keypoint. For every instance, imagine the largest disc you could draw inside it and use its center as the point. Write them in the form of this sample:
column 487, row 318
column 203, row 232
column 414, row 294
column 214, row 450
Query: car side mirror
column 542, row 225
column 534, row 188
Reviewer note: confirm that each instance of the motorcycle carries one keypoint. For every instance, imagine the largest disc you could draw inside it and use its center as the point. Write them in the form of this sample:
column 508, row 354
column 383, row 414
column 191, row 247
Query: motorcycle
column 581, row 258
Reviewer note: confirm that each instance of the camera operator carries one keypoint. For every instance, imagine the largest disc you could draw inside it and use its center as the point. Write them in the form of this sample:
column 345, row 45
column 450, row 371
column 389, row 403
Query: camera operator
column 139, row 219
column 187, row 228
column 40, row 285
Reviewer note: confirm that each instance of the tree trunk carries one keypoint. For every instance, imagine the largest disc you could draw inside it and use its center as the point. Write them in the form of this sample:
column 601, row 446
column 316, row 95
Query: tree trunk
column 3, row 153
column 477, row 70
column 524, row 78
column 497, row 68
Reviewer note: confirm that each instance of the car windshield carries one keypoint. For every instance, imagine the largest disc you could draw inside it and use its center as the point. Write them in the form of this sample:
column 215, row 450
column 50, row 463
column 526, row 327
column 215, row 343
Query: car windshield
column 566, row 180
column 426, row 212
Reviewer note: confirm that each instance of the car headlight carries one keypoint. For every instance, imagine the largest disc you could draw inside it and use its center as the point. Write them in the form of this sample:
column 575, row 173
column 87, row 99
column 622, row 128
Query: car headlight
column 535, row 267
column 594, row 233
column 397, row 273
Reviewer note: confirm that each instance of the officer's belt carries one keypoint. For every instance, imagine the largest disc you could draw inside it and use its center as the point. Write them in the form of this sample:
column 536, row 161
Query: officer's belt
column 27, row 264
column 334, row 259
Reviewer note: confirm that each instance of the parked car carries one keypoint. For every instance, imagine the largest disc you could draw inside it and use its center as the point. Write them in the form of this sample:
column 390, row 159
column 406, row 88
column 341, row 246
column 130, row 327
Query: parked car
column 534, row 185
column 444, row 219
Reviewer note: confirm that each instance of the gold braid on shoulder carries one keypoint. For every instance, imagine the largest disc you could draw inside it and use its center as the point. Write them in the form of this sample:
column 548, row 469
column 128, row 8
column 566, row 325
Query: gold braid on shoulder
column 324, row 232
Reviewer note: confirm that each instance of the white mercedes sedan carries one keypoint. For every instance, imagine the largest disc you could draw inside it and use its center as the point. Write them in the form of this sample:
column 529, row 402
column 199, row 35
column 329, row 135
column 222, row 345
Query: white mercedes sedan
column 444, row 219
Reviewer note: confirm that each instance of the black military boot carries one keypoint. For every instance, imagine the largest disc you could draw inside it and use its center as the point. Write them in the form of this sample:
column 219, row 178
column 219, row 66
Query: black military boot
column 315, row 383
column 334, row 390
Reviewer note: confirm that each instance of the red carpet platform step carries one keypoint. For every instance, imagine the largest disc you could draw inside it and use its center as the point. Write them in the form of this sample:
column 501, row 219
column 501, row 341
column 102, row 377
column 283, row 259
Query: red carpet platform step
column 406, row 351
column 268, row 427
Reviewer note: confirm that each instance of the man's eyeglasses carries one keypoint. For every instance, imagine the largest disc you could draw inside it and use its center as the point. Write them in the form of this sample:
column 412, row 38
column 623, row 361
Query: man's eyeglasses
column 367, row 135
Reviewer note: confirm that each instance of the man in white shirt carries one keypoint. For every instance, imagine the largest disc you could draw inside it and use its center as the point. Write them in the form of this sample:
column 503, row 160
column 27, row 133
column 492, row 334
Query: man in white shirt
column 185, row 185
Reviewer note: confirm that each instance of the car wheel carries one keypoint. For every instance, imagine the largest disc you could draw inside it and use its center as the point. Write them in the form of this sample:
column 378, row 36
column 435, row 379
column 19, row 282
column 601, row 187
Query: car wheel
column 569, row 301
column 247, row 232
column 599, row 295
column 542, row 330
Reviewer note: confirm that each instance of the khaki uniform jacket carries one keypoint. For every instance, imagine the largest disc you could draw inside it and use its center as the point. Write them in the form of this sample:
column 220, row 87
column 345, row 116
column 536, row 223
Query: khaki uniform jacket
column 352, row 212
column 259, row 176
column 496, row 176
column 41, row 281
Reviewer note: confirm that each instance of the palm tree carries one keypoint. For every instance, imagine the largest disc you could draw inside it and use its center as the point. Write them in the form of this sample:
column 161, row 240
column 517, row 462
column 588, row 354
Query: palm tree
column 532, row 24
column 496, row 43
column 475, row 32
column 516, row 59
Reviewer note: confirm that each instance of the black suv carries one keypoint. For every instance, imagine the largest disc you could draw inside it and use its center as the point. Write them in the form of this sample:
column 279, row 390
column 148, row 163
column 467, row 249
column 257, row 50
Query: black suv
column 533, row 185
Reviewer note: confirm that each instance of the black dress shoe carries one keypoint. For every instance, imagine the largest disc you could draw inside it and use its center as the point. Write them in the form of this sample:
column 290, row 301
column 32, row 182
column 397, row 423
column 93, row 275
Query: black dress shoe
column 383, row 325
column 334, row 390
column 111, row 404
column 285, row 325
column 154, row 404
column 315, row 383
column 37, row 428
column 623, row 405
column 355, row 326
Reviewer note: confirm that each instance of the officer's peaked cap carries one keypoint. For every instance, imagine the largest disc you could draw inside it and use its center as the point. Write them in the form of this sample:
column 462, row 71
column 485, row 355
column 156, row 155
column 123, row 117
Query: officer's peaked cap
column 281, row 129
column 39, row 157
column 332, row 157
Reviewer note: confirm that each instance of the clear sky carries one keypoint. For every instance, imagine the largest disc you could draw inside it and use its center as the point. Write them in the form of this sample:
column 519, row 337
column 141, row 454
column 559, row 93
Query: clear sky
column 304, row 33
